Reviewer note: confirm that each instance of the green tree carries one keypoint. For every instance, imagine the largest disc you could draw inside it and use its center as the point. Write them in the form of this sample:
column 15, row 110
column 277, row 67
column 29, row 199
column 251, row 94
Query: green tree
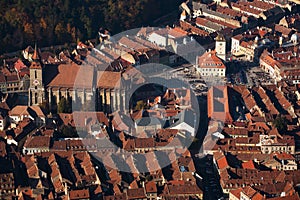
column 280, row 123
column 64, row 106
column 45, row 107
column 69, row 131
column 140, row 105
column 69, row 105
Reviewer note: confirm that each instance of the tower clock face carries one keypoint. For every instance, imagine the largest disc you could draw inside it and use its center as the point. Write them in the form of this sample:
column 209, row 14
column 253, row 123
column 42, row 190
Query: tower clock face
column 36, row 82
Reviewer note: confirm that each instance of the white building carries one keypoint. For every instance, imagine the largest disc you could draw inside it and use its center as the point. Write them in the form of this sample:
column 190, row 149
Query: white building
column 210, row 65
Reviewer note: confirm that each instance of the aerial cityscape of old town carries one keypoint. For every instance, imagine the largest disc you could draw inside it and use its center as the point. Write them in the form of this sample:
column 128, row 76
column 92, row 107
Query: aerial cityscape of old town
column 152, row 100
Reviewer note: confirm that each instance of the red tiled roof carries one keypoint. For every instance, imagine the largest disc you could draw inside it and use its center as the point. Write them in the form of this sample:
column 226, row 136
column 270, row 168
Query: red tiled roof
column 83, row 119
column 284, row 156
column 182, row 189
column 151, row 187
column 35, row 65
column 265, row 56
column 12, row 78
column 228, row 11
column 222, row 163
column 177, row 32
column 108, row 79
column 73, row 76
column 138, row 193
column 252, row 194
column 193, row 29
column 37, row 142
column 79, row 194
column 248, row 165
column 284, row 30
column 19, row 65
column 129, row 43
column 236, row 192
column 210, row 60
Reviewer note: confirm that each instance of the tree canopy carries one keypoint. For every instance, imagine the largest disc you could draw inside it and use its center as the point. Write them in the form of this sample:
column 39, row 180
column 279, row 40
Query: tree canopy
column 64, row 106
column 23, row 22
column 280, row 123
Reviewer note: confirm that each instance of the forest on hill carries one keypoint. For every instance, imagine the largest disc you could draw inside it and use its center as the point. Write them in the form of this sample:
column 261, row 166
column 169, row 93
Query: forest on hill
column 24, row 22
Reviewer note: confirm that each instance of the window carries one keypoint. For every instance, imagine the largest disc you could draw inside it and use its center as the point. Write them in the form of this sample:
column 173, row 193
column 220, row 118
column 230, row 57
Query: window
column 35, row 74
column 35, row 98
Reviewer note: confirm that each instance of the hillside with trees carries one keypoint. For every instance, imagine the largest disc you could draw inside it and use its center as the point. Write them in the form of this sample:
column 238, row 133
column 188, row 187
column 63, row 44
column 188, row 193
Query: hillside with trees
column 23, row 22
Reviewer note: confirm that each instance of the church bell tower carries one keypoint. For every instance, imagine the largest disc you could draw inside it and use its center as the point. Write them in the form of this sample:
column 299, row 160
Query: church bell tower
column 36, row 89
column 221, row 46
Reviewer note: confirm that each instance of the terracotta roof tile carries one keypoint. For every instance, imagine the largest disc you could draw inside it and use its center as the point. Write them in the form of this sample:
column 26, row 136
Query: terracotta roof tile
column 129, row 43
column 68, row 75
column 37, row 142
column 108, row 80
column 222, row 163
column 248, row 165
column 210, row 60
column 236, row 192
column 79, row 194
column 138, row 193
column 151, row 187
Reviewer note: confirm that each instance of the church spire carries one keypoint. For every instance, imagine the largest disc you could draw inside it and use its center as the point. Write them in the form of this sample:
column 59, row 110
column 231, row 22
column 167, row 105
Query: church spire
column 35, row 64
column 35, row 54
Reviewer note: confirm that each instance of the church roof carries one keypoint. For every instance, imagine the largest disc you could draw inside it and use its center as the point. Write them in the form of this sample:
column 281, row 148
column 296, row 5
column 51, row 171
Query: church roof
column 73, row 76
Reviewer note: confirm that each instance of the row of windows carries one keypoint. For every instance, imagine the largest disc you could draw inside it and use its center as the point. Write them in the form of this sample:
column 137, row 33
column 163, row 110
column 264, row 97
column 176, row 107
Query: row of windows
column 213, row 64
column 286, row 168
column 12, row 84
column 211, row 74
column 206, row 69
column 277, row 148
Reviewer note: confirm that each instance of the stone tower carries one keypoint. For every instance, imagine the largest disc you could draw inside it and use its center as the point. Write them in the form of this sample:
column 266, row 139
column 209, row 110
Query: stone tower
column 221, row 47
column 36, row 88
